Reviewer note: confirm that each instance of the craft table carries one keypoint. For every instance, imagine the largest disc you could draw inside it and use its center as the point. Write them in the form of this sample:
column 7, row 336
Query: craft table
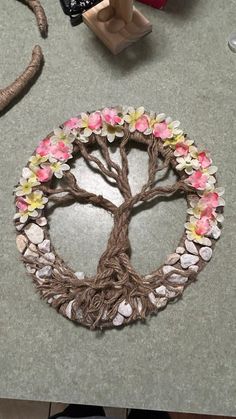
column 183, row 359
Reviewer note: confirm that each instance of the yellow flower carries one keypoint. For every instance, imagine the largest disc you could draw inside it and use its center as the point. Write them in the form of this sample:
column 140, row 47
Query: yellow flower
column 25, row 187
column 133, row 116
column 37, row 160
column 36, row 200
column 171, row 142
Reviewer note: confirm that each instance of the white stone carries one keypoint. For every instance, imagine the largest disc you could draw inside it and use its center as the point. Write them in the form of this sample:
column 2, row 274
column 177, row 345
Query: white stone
column 191, row 248
column 44, row 272
column 194, row 268
column 34, row 233
column 205, row 253
column 45, row 246
column 175, row 278
column 215, row 232
column 162, row 290
column 152, row 298
column 172, row 259
column 161, row 302
column 33, row 247
column 50, row 300
column 21, row 242
column 140, row 306
column 50, row 257
column 118, row 320
column 19, row 227
column 180, row 250
column 125, row 309
column 80, row 275
column 69, row 309
column 31, row 254
column 47, row 257
column 42, row 221
column 29, row 269
column 187, row 260
column 207, row 241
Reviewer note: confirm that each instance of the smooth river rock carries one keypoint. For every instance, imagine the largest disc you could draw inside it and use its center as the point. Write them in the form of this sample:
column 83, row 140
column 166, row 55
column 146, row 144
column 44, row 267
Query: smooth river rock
column 45, row 246
column 187, row 260
column 180, row 250
column 172, row 259
column 44, row 272
column 21, row 243
column 215, row 232
column 118, row 320
column 191, row 248
column 42, row 221
column 34, row 233
column 125, row 309
column 174, row 278
column 206, row 253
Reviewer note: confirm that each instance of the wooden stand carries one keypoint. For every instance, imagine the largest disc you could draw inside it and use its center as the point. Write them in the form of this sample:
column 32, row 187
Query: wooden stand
column 114, row 37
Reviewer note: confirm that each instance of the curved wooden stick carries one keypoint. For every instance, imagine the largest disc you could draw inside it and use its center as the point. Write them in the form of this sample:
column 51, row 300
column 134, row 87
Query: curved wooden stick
column 14, row 89
column 40, row 15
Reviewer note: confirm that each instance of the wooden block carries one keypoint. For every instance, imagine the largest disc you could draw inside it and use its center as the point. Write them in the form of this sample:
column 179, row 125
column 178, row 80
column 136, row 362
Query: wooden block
column 57, row 408
column 117, row 41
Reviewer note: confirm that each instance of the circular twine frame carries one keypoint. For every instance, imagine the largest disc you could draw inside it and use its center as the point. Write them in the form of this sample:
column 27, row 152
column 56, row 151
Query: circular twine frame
column 117, row 294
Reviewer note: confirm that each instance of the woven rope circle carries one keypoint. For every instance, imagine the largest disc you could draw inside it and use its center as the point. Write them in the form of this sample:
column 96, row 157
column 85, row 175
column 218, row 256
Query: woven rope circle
column 117, row 295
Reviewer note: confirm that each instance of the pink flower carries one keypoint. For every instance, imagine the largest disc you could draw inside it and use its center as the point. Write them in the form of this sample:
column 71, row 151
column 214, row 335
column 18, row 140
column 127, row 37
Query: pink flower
column 162, row 131
column 211, row 199
column 198, row 180
column 182, row 149
column 72, row 123
column 111, row 117
column 142, row 124
column 44, row 174
column 94, row 121
column 21, row 204
column 203, row 226
column 60, row 151
column 204, row 160
column 43, row 148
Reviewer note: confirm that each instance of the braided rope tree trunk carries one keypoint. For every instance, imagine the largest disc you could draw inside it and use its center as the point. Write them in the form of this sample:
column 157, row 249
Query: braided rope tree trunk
column 116, row 279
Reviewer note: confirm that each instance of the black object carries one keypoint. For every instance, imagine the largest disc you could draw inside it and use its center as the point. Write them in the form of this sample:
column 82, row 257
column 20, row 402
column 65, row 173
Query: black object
column 80, row 411
column 75, row 9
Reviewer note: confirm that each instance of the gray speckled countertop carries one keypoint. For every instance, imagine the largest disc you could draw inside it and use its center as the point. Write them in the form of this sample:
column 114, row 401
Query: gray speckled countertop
column 183, row 359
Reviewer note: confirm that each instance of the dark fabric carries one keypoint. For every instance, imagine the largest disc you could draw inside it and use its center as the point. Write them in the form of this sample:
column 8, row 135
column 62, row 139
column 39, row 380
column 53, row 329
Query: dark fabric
column 80, row 411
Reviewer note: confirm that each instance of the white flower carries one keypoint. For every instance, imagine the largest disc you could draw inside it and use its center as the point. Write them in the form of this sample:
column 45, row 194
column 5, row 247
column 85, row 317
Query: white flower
column 58, row 168
column 187, row 164
column 112, row 131
column 63, row 134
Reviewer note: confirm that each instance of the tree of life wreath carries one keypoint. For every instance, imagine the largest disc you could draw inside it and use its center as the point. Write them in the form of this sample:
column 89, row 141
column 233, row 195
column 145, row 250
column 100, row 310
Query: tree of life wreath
column 117, row 294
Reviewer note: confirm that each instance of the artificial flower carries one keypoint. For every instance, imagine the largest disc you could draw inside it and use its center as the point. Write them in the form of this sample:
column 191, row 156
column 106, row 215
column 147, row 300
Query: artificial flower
column 90, row 123
column 187, row 164
column 112, row 131
column 111, row 116
column 72, row 123
column 198, row 180
column 171, row 142
column 36, row 200
column 43, row 148
column 196, row 230
column 142, row 124
column 44, row 174
column 133, row 116
column 36, row 160
column 58, row 168
column 162, row 131
column 26, row 185
column 62, row 134
column 60, row 151
column 204, row 160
